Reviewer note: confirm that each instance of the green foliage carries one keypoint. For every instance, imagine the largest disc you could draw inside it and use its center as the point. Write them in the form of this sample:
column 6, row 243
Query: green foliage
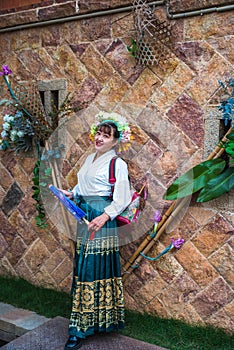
column 132, row 48
column 194, row 179
column 42, row 177
column 217, row 186
column 213, row 177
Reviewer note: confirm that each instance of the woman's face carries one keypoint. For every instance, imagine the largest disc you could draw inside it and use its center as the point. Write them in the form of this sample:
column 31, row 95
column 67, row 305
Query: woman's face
column 104, row 140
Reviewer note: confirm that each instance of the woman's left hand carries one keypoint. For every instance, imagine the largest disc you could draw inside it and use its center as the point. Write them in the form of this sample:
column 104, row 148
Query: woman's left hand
column 97, row 223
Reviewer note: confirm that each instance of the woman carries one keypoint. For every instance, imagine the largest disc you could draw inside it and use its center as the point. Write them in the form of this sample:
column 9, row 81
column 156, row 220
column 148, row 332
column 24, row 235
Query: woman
column 97, row 290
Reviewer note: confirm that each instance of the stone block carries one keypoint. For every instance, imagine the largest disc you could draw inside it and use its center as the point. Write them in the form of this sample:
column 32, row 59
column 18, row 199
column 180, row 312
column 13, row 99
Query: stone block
column 22, row 227
column 3, row 246
column 202, row 272
column 222, row 320
column 223, row 261
column 13, row 197
column 189, row 5
column 22, row 270
column 148, row 154
column 97, row 65
column 87, row 92
column 179, row 293
column 206, row 28
column 7, row 230
column 6, row 269
column 9, row 20
column 112, row 93
column 189, row 315
column 213, row 298
column 213, row 235
column 156, row 307
column 54, row 260
column 174, row 85
column 159, row 128
column 98, row 28
column 62, row 270
column 201, row 87
column 44, row 279
column 167, row 266
column 36, row 256
column 17, row 250
column 202, row 215
column 27, row 207
column 57, row 11
column 191, row 114
column 142, row 89
column 6, row 179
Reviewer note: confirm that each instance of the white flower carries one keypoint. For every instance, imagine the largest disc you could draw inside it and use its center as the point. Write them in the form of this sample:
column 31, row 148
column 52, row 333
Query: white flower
column 6, row 117
column 6, row 126
column 4, row 134
column 10, row 118
column 13, row 132
column 20, row 134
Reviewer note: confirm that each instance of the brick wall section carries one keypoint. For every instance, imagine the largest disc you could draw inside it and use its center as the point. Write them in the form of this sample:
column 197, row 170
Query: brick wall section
column 168, row 105
column 187, row 5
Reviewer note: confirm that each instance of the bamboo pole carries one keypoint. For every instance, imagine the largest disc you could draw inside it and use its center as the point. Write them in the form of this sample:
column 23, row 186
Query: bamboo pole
column 57, row 182
column 167, row 218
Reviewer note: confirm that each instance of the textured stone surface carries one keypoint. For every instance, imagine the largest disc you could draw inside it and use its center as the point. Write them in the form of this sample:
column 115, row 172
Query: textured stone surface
column 188, row 5
column 217, row 295
column 12, row 198
column 171, row 110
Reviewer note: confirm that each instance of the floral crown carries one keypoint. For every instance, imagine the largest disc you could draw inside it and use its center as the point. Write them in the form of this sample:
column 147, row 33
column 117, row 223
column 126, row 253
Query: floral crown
column 123, row 128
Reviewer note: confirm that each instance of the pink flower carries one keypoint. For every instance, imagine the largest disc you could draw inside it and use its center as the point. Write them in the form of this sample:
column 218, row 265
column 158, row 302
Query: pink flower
column 6, row 70
column 177, row 243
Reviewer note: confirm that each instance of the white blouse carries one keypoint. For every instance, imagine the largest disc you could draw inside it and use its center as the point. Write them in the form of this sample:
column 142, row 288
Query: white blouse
column 93, row 180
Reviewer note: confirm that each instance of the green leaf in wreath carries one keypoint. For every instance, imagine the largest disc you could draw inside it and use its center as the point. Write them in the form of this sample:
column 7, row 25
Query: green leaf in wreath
column 221, row 184
column 194, row 179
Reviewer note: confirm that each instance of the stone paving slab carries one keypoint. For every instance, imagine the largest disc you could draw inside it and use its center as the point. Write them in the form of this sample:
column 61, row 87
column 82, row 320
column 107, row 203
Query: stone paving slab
column 52, row 335
column 14, row 322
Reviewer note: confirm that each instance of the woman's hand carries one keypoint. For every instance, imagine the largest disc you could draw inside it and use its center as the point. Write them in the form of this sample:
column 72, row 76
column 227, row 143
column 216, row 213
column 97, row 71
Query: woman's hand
column 69, row 194
column 97, row 223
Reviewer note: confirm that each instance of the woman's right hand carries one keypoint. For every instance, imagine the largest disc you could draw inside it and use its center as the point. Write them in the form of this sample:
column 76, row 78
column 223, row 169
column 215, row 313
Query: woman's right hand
column 69, row 194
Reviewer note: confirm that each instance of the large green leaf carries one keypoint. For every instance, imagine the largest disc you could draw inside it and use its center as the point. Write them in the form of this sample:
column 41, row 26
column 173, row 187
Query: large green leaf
column 230, row 136
column 194, row 179
column 216, row 187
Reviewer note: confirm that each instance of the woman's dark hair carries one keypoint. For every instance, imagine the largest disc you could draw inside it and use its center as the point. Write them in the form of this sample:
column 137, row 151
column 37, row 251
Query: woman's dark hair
column 106, row 128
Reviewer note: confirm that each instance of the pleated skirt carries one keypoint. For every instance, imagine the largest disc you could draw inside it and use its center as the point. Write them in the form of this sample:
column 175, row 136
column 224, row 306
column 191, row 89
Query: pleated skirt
column 97, row 290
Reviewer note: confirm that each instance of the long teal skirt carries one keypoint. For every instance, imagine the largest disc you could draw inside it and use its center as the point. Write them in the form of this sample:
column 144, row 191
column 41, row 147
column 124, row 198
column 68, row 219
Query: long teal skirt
column 97, row 290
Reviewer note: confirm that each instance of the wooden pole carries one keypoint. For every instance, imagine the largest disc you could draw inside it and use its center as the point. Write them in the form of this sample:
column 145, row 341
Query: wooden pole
column 57, row 182
column 167, row 218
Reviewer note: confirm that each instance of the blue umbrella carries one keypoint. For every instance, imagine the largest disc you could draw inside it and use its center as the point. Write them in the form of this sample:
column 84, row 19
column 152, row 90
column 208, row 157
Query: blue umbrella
column 78, row 213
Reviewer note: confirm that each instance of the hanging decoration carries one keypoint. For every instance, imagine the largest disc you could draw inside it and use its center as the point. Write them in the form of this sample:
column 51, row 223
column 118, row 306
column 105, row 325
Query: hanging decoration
column 152, row 44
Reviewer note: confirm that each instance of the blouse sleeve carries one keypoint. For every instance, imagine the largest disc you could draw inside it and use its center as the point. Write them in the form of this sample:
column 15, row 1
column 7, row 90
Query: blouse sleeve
column 122, row 194
column 76, row 190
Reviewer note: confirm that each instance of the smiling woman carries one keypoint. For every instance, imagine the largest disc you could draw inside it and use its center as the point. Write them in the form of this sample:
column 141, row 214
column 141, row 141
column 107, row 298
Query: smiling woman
column 97, row 289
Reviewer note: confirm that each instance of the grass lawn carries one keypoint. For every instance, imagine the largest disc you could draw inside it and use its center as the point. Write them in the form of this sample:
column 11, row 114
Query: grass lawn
column 168, row 333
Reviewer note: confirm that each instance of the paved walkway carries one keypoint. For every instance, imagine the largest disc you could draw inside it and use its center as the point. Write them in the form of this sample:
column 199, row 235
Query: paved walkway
column 25, row 330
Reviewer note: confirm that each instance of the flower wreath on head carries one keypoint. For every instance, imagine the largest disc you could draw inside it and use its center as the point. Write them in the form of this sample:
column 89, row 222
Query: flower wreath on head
column 123, row 128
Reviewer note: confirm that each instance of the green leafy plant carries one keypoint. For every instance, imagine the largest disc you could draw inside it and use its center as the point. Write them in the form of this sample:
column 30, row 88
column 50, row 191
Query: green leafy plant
column 42, row 177
column 212, row 177
column 132, row 48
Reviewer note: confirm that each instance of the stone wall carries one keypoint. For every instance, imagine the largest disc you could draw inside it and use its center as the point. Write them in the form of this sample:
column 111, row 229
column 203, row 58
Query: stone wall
column 168, row 105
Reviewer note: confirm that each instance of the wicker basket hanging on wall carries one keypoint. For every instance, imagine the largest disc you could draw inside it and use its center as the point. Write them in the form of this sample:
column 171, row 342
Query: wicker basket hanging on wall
column 153, row 37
